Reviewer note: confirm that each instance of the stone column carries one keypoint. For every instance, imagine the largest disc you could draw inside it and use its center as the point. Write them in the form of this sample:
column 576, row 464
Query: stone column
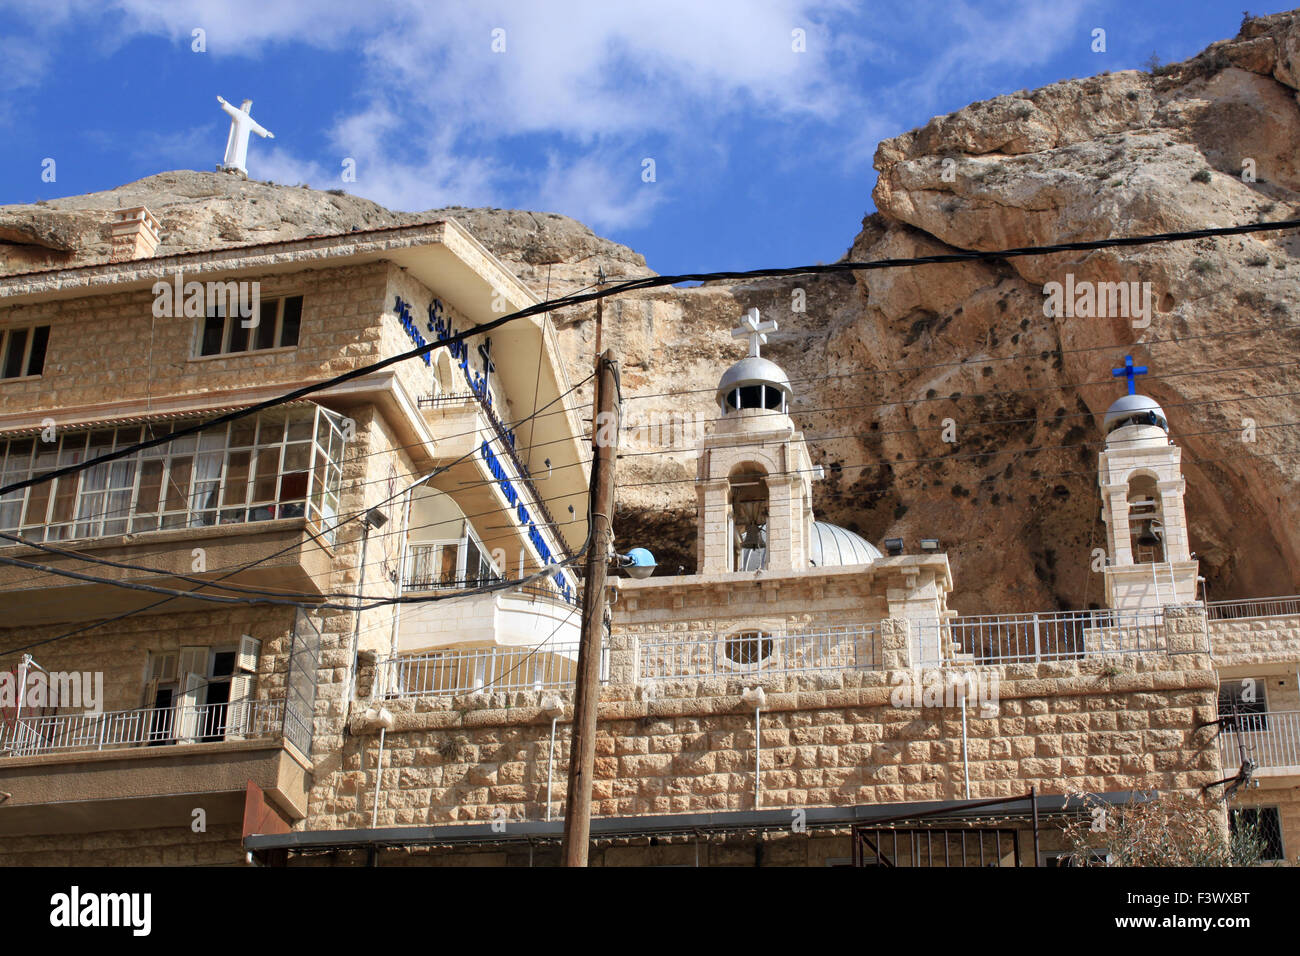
column 1117, row 529
column 623, row 647
column 1175, row 519
column 782, row 536
column 1185, row 630
column 895, row 654
column 714, row 547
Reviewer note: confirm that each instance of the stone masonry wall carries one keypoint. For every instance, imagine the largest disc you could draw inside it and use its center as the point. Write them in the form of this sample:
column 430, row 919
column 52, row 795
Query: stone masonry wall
column 162, row 846
column 121, row 650
column 112, row 347
column 1257, row 640
column 833, row 739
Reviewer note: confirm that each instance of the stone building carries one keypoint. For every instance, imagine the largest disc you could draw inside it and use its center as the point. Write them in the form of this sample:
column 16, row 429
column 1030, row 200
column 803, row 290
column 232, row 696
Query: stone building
column 805, row 698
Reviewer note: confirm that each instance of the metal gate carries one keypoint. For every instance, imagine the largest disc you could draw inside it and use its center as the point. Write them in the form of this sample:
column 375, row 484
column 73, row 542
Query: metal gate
column 935, row 846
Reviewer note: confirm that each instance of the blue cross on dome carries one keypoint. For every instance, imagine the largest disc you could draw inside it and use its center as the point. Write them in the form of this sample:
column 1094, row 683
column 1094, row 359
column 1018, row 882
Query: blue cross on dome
column 1130, row 372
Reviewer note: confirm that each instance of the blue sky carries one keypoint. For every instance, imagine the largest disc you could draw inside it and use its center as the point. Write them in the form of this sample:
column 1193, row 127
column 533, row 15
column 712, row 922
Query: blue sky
column 762, row 154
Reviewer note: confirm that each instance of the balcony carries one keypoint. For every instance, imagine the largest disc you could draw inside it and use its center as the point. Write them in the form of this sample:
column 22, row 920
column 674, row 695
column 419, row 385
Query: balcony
column 522, row 616
column 266, row 485
column 299, row 562
column 1271, row 740
column 479, row 451
column 137, row 768
column 483, row 669
column 152, row 766
column 1036, row 637
column 154, row 726
column 1253, row 608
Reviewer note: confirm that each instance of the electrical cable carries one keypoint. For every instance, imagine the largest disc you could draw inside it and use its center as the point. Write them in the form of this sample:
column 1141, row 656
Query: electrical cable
column 651, row 282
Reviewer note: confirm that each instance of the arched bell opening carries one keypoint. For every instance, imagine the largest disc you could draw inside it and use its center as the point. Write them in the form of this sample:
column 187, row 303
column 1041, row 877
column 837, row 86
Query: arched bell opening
column 1146, row 520
column 749, row 501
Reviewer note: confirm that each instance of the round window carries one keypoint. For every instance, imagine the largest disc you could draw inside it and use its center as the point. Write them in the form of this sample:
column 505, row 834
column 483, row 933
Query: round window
column 748, row 647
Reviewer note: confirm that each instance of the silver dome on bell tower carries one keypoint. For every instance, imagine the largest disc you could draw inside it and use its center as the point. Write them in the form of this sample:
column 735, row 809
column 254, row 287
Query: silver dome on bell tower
column 754, row 382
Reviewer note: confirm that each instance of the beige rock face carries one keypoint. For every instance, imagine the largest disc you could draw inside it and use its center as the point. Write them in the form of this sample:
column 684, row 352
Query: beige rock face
column 880, row 363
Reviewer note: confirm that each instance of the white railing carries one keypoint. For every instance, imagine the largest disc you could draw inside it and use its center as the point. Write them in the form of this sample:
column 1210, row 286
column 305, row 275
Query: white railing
column 1035, row 637
column 488, row 669
column 239, row 720
column 753, row 653
column 1271, row 740
column 1255, row 607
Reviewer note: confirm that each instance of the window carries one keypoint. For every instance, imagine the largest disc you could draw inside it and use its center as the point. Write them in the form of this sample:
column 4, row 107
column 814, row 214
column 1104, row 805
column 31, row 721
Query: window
column 202, row 693
column 22, row 351
column 749, row 509
column 277, row 326
column 284, row 463
column 1264, row 823
column 749, row 648
column 450, row 563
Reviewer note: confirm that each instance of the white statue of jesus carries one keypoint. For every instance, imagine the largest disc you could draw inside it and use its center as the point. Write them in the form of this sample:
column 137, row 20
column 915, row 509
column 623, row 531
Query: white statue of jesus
column 241, row 124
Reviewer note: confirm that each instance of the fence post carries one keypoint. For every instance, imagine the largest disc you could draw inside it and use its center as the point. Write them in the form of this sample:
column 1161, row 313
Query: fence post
column 1038, row 646
column 102, row 721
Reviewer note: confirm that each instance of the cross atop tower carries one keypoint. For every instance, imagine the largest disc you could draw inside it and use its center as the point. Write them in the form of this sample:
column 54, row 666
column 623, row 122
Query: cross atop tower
column 1130, row 371
column 756, row 330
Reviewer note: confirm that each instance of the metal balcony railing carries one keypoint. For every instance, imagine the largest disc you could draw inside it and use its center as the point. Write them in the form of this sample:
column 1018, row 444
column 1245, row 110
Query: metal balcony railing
column 1036, row 637
column 1254, row 607
column 486, row 669
column 154, row 726
column 1271, row 740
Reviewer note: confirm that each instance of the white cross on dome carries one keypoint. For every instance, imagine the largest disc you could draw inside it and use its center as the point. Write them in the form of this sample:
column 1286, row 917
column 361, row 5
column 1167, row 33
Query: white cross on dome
column 756, row 330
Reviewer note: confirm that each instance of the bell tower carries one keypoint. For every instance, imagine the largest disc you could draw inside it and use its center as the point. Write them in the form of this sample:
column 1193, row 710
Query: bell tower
column 1148, row 563
column 754, row 482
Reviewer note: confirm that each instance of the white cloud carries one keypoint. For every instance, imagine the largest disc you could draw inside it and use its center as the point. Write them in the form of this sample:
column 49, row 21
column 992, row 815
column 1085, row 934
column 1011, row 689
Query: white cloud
column 590, row 87
column 601, row 188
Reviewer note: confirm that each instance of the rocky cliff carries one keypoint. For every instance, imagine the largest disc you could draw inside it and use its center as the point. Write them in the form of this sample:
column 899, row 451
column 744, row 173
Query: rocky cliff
column 890, row 364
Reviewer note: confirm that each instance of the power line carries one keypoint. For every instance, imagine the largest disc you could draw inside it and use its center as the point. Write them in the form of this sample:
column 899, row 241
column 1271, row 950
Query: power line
column 962, row 457
column 1039, row 354
column 1049, row 420
column 247, row 566
column 405, row 531
column 547, row 571
column 651, row 282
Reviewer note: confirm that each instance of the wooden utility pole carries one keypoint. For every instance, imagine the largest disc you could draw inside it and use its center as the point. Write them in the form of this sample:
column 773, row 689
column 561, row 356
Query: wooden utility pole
column 582, row 750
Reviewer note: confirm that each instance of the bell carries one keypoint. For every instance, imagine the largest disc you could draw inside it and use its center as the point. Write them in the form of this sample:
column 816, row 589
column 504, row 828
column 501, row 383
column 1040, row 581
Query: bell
column 753, row 537
column 1147, row 538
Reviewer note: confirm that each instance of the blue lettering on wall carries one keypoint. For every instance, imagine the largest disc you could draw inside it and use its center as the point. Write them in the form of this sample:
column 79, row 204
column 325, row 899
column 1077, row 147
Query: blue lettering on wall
column 404, row 316
column 498, row 471
column 439, row 326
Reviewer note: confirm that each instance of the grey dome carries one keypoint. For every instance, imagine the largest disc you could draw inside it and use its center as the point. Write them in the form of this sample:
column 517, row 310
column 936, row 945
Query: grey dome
column 754, row 371
column 1134, row 409
column 833, row 546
